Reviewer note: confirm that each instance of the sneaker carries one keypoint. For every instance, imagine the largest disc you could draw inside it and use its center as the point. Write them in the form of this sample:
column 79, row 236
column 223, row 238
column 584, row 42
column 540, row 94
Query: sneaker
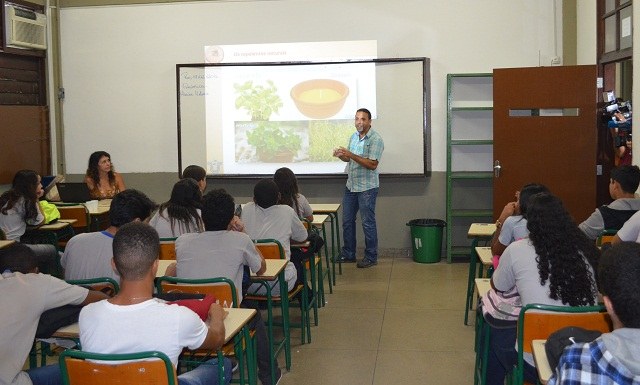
column 343, row 259
column 234, row 363
column 366, row 263
column 279, row 376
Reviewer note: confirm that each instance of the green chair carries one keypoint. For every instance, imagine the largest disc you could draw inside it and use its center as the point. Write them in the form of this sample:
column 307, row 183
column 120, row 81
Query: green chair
column 605, row 237
column 148, row 368
column 224, row 290
column 537, row 322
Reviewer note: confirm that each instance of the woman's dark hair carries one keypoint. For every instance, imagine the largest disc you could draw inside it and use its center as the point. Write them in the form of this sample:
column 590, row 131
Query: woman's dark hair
column 181, row 207
column 92, row 168
column 526, row 193
column 288, row 186
column 25, row 185
column 195, row 172
column 565, row 256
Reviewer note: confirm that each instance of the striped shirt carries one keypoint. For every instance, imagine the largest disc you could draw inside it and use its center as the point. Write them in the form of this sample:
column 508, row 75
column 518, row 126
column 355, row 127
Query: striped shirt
column 371, row 146
column 591, row 364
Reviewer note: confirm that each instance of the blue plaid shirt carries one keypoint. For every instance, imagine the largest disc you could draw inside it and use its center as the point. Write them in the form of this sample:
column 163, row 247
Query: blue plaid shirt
column 591, row 364
column 371, row 146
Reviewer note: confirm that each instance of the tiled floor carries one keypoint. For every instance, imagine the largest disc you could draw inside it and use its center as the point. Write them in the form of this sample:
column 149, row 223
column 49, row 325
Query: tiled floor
column 399, row 322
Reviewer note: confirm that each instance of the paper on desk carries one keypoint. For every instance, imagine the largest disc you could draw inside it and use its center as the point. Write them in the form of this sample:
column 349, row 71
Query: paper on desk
column 62, row 342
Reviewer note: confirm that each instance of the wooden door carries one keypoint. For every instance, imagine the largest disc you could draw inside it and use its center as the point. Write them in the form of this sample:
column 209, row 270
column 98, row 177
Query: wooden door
column 545, row 131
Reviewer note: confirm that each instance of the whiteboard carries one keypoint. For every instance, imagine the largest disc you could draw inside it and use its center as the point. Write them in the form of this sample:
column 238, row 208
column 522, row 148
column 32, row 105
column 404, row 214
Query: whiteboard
column 399, row 115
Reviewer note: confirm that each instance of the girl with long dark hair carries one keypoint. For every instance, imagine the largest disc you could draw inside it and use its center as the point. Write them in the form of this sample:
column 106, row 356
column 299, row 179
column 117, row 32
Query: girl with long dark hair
column 19, row 207
column 181, row 214
column 554, row 266
column 290, row 194
column 102, row 180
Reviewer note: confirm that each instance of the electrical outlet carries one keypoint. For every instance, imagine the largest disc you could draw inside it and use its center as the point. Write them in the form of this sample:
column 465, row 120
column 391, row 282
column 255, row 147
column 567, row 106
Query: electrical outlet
column 555, row 61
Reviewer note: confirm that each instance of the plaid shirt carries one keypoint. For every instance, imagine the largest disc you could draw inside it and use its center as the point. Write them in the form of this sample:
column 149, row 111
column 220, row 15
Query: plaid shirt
column 371, row 146
column 591, row 364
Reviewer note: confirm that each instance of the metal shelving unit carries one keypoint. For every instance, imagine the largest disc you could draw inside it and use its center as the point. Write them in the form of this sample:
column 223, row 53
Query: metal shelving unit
column 469, row 157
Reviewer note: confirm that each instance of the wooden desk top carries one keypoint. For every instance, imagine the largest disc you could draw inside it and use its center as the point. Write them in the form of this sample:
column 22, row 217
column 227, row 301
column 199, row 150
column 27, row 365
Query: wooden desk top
column 162, row 266
column 319, row 219
column 542, row 363
column 56, row 225
column 274, row 267
column 483, row 285
column 5, row 243
column 321, row 208
column 485, row 255
column 481, row 230
column 236, row 319
column 102, row 209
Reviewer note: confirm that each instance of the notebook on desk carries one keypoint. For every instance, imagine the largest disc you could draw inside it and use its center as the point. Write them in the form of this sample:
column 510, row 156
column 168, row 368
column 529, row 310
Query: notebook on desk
column 73, row 192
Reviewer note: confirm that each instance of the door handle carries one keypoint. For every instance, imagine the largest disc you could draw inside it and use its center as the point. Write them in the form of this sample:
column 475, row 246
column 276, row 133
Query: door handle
column 496, row 168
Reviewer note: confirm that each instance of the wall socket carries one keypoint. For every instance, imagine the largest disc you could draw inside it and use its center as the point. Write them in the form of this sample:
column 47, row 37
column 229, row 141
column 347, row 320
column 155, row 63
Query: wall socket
column 556, row 61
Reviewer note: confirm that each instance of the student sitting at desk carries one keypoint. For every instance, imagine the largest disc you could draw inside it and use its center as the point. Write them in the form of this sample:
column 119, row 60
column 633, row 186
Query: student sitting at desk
column 290, row 194
column 623, row 184
column 181, row 214
column 554, row 266
column 102, row 180
column 613, row 358
column 223, row 250
column 88, row 255
column 265, row 218
column 25, row 296
column 198, row 174
column 133, row 321
column 512, row 223
column 18, row 208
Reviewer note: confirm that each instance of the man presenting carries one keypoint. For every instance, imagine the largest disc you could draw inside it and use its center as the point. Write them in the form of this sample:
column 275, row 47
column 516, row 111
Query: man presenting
column 364, row 152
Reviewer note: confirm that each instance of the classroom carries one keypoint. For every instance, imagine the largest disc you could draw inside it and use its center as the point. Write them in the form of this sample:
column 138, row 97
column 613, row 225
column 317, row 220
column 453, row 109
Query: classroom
column 107, row 80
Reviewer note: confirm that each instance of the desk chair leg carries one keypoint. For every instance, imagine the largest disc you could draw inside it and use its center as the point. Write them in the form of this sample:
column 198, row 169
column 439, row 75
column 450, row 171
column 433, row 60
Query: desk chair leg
column 473, row 257
column 338, row 243
column 326, row 257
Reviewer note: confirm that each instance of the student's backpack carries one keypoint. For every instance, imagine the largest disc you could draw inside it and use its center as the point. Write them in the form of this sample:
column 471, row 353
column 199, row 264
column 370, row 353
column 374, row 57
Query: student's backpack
column 564, row 337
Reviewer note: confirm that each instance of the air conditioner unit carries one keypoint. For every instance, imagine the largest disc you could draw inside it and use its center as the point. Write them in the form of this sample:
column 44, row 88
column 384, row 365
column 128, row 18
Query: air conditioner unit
column 25, row 28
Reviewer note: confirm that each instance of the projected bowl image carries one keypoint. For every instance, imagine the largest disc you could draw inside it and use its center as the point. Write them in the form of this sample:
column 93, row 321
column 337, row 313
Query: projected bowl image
column 319, row 98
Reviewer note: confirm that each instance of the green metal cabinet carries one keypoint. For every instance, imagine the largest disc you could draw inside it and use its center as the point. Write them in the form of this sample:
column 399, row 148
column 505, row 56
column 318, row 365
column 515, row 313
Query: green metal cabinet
column 469, row 157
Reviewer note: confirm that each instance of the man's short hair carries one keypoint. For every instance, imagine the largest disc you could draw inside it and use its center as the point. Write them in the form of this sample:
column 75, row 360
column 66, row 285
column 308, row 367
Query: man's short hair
column 265, row 193
column 628, row 177
column 619, row 279
column 365, row 111
column 128, row 205
column 218, row 208
column 18, row 258
column 136, row 246
column 194, row 172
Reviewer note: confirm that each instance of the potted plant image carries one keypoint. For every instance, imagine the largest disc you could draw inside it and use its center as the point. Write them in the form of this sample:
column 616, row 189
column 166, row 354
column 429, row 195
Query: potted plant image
column 273, row 143
column 258, row 100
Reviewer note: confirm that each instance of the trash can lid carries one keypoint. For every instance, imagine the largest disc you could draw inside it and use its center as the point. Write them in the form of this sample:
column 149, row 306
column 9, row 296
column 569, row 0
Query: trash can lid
column 427, row 222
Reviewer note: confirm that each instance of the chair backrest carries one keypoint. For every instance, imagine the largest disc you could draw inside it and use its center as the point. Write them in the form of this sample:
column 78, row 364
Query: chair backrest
column 79, row 213
column 223, row 289
column 536, row 325
column 106, row 285
column 168, row 248
column 605, row 237
column 148, row 368
column 270, row 248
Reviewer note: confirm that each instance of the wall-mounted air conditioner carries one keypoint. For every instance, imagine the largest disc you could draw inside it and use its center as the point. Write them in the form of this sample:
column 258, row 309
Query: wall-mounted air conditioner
column 25, row 28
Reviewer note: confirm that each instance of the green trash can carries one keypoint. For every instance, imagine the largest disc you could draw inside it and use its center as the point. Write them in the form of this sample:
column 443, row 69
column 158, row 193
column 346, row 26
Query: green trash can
column 426, row 239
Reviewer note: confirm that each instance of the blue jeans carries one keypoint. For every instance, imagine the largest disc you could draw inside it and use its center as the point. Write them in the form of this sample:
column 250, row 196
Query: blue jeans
column 45, row 375
column 206, row 374
column 364, row 201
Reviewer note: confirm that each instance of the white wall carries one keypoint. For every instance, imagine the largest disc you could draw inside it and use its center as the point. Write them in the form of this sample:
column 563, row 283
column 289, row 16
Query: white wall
column 118, row 62
column 586, row 31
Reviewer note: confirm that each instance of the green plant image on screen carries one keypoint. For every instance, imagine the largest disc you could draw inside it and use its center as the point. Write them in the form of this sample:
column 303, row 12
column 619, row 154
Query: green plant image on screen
column 325, row 135
column 258, row 100
column 273, row 142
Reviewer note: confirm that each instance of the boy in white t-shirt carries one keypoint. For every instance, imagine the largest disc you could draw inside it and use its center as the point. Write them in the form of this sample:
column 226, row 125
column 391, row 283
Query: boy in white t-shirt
column 134, row 321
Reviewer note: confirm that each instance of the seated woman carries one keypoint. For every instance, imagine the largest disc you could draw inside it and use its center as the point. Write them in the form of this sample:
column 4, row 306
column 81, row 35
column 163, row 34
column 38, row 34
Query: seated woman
column 554, row 266
column 290, row 195
column 18, row 208
column 512, row 223
column 102, row 180
column 181, row 214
